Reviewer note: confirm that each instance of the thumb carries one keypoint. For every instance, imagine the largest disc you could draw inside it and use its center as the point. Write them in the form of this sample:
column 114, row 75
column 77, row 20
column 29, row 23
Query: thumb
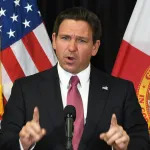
column 102, row 136
column 114, row 120
column 36, row 115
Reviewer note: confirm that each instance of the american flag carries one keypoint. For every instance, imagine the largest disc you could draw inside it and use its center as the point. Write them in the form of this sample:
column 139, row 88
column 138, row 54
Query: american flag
column 25, row 46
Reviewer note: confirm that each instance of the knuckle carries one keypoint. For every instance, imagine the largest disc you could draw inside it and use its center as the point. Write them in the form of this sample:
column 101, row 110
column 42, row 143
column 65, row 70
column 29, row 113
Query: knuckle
column 121, row 128
column 28, row 123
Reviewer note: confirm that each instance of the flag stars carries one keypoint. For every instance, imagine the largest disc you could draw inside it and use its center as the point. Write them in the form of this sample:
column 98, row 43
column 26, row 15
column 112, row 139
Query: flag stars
column 0, row 28
column 14, row 17
column 28, row 7
column 11, row 33
column 2, row 12
column 26, row 23
column 17, row 2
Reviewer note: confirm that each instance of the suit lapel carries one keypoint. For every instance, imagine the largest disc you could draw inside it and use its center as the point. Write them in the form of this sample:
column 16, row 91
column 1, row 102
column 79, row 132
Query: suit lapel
column 52, row 94
column 54, row 116
column 98, row 93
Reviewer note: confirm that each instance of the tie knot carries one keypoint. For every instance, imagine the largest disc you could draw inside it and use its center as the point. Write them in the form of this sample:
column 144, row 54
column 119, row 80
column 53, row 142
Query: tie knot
column 74, row 80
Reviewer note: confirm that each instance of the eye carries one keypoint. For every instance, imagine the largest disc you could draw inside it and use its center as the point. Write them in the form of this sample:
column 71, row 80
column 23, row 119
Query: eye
column 65, row 38
column 82, row 41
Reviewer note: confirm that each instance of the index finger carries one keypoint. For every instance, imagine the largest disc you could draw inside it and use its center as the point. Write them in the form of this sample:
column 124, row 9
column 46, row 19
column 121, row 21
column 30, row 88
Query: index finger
column 36, row 115
column 114, row 120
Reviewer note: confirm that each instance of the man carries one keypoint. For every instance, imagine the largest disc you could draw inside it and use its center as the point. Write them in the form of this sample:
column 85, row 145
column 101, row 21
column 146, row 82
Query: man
column 34, row 116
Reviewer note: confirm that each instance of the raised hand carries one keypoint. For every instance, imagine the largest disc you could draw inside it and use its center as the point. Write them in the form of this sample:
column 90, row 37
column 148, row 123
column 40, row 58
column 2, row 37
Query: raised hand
column 116, row 136
column 31, row 132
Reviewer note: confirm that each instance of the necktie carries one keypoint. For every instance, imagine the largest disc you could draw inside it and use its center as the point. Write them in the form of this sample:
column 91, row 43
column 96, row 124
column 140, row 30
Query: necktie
column 74, row 98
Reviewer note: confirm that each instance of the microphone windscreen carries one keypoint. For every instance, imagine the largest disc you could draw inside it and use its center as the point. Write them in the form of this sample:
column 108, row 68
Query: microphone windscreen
column 70, row 111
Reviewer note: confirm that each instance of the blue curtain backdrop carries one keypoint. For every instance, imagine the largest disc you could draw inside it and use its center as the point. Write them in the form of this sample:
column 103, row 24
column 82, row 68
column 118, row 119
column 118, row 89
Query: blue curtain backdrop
column 114, row 15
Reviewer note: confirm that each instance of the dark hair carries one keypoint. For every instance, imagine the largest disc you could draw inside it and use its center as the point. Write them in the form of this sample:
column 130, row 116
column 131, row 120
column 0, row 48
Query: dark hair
column 79, row 13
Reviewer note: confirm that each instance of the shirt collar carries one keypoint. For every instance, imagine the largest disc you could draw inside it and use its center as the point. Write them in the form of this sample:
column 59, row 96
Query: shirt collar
column 65, row 76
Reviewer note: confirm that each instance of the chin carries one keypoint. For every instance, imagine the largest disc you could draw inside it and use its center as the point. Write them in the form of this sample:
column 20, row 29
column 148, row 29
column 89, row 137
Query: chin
column 73, row 71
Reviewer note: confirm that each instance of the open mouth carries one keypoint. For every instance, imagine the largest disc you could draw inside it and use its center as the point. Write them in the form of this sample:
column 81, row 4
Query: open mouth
column 70, row 59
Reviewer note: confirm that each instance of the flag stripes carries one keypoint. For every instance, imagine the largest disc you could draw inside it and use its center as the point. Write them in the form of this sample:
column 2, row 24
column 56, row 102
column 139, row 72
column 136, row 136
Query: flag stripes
column 38, row 56
column 45, row 43
column 20, row 60
column 23, row 58
column 11, row 64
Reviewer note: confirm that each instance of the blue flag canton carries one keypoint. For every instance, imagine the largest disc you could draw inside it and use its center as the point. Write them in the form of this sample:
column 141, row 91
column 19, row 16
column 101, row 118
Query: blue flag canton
column 17, row 18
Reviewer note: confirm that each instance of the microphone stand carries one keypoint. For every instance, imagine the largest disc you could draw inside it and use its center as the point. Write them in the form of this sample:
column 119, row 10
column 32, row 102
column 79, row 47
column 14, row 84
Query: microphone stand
column 69, row 132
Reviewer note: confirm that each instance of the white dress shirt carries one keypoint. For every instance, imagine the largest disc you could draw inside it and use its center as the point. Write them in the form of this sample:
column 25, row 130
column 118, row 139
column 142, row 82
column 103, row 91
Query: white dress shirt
column 83, row 87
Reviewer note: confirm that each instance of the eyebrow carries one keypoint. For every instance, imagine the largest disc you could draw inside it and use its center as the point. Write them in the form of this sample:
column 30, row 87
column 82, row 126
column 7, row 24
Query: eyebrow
column 80, row 37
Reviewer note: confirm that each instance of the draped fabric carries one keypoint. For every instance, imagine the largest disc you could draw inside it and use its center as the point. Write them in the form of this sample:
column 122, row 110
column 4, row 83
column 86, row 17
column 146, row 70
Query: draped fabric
column 133, row 60
column 23, row 51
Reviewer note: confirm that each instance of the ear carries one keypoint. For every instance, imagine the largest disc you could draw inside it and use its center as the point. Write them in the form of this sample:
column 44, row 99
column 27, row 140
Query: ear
column 54, row 40
column 95, row 47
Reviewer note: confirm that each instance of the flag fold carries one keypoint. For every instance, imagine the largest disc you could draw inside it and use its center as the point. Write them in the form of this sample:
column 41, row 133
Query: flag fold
column 133, row 60
column 25, row 47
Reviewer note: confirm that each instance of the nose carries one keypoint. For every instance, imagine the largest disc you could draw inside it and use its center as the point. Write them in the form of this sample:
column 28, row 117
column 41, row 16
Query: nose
column 72, row 46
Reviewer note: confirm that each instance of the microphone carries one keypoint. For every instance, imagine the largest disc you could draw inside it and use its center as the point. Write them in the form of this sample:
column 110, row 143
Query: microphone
column 70, row 116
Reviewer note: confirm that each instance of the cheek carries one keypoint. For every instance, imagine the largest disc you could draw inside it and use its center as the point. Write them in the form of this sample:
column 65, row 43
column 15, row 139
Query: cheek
column 61, row 46
column 58, row 53
column 87, row 52
column 85, row 55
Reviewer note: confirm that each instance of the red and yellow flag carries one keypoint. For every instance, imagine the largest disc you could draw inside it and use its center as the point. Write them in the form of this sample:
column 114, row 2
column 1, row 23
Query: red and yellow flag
column 133, row 60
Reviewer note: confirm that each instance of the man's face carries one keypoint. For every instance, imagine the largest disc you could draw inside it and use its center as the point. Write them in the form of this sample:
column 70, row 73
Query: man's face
column 74, row 45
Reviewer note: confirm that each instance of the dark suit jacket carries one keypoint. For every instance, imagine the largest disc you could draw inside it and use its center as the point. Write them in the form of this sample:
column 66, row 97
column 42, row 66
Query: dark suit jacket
column 107, row 95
